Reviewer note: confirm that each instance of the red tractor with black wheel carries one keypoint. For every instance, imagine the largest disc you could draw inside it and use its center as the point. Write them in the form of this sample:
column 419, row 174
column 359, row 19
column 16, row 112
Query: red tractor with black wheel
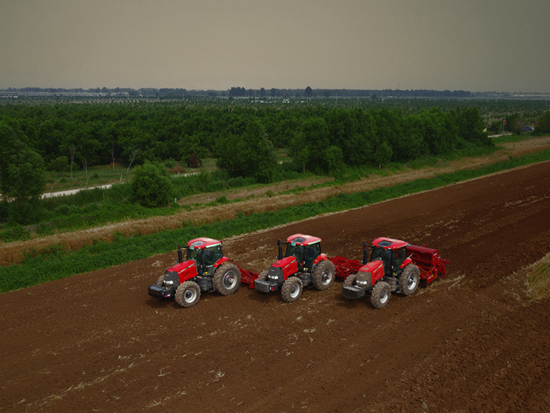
column 205, row 269
column 303, row 265
column 394, row 267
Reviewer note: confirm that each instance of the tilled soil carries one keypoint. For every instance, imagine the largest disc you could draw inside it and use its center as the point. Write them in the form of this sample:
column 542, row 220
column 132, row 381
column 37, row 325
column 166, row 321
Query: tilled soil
column 470, row 342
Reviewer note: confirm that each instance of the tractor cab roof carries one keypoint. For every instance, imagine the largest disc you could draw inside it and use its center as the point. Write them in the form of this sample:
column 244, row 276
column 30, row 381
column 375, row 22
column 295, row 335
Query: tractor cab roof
column 303, row 240
column 389, row 243
column 202, row 243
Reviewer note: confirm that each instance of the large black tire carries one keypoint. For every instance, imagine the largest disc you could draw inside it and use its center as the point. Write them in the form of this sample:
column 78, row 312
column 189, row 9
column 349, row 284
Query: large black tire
column 188, row 294
column 323, row 275
column 348, row 282
column 409, row 280
column 227, row 278
column 292, row 289
column 263, row 275
column 160, row 281
column 380, row 294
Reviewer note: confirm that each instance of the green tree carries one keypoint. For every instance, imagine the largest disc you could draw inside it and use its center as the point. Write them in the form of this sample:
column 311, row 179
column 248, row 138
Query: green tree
column 543, row 123
column 249, row 154
column 383, row 154
column 59, row 164
column 22, row 172
column 151, row 185
column 299, row 150
column 334, row 160
column 308, row 145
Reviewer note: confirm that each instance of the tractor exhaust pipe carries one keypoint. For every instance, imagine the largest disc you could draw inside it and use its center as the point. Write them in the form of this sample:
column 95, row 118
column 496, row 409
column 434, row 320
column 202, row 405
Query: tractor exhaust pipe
column 180, row 254
column 280, row 254
column 365, row 253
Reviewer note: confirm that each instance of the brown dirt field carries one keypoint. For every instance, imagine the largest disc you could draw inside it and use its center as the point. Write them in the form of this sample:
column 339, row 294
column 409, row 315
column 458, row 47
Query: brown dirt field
column 12, row 253
column 472, row 342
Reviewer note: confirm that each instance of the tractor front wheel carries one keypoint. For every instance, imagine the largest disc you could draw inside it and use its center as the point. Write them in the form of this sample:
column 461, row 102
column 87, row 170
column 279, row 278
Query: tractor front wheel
column 188, row 294
column 227, row 278
column 380, row 294
column 160, row 281
column 323, row 275
column 263, row 276
column 292, row 289
column 409, row 280
column 348, row 282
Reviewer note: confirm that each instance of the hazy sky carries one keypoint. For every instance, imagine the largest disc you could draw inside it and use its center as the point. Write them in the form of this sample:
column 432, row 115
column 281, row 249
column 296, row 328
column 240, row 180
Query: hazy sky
column 477, row 45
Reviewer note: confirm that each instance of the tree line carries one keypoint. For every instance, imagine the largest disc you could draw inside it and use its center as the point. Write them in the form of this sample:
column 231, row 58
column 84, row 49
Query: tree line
column 88, row 134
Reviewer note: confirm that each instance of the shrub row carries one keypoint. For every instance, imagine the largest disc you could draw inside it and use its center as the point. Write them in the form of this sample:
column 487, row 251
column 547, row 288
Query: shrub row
column 57, row 263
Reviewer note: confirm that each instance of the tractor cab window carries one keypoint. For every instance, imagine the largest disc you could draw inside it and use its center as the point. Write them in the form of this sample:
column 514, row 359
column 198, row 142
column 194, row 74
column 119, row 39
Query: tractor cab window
column 295, row 251
column 211, row 255
column 311, row 252
column 399, row 256
column 194, row 254
column 382, row 255
column 377, row 254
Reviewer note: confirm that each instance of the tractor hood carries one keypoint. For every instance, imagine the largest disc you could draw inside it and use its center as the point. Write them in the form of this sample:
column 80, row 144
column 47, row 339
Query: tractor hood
column 372, row 266
column 283, row 268
column 178, row 268
column 284, row 262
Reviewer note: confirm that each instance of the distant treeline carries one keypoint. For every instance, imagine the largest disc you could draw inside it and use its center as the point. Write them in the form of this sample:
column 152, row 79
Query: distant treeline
column 318, row 137
column 242, row 92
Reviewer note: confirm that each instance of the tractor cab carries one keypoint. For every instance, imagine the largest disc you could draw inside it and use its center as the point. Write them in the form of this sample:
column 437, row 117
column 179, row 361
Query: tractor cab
column 205, row 252
column 304, row 248
column 391, row 252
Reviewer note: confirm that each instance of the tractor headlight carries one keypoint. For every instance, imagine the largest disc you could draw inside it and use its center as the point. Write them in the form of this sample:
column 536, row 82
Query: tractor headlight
column 169, row 282
column 273, row 277
column 362, row 282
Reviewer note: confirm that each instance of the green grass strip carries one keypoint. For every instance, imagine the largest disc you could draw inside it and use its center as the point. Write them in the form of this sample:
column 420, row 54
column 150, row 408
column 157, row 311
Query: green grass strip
column 58, row 263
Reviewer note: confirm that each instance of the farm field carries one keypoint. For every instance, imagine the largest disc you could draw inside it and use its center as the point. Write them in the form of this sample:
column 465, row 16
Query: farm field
column 474, row 341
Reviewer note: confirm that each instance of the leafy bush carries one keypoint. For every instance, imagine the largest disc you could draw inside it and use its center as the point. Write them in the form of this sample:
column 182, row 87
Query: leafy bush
column 151, row 185
column 170, row 163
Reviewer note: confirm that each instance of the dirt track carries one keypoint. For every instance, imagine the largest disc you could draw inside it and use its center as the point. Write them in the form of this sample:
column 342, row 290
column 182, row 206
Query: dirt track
column 471, row 342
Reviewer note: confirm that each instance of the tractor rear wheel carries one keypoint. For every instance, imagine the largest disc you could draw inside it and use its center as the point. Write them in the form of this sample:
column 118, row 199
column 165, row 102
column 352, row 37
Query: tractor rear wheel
column 380, row 294
column 263, row 275
column 292, row 289
column 227, row 278
column 188, row 294
column 348, row 282
column 323, row 275
column 409, row 280
column 160, row 281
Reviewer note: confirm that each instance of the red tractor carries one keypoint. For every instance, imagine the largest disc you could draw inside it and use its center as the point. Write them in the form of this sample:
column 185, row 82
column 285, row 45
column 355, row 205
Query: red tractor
column 394, row 266
column 303, row 265
column 206, row 269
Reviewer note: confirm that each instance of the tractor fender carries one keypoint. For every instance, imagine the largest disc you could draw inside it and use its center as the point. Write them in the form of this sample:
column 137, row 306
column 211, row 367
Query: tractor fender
column 320, row 258
column 221, row 261
column 406, row 262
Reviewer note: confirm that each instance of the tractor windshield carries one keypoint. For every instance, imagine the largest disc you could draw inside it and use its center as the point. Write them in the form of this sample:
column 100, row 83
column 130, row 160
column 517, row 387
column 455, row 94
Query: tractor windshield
column 382, row 255
column 194, row 254
column 295, row 251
